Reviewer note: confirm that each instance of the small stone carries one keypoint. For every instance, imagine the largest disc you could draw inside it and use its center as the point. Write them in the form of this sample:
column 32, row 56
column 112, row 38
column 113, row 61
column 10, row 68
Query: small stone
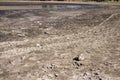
column 79, row 57
column 21, row 35
column 50, row 75
column 56, row 75
column 38, row 45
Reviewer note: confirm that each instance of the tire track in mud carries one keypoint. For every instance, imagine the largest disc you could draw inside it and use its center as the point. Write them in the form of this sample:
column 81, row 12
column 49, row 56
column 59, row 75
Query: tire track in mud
column 54, row 43
column 54, row 46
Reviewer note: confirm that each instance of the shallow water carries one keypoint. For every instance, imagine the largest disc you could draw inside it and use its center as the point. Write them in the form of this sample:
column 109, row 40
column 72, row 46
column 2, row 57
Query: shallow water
column 51, row 6
column 66, row 6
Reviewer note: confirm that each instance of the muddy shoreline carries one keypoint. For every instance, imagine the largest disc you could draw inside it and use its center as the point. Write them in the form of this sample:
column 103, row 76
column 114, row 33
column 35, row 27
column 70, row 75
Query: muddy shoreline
column 69, row 44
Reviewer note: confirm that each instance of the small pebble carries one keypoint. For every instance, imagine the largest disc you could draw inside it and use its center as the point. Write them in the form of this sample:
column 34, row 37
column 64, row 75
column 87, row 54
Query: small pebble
column 79, row 57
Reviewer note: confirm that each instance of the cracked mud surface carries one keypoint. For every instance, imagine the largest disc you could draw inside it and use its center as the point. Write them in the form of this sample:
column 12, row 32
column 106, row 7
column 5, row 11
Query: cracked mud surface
column 81, row 44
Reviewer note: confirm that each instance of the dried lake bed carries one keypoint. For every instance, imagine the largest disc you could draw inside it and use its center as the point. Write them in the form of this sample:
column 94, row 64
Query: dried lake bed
column 60, row 43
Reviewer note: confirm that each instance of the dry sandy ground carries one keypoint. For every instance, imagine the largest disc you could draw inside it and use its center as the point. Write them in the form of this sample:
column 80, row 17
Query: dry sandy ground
column 81, row 44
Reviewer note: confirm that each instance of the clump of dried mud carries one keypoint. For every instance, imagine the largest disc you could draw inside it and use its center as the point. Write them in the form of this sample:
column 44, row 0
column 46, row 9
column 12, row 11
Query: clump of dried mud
column 81, row 44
